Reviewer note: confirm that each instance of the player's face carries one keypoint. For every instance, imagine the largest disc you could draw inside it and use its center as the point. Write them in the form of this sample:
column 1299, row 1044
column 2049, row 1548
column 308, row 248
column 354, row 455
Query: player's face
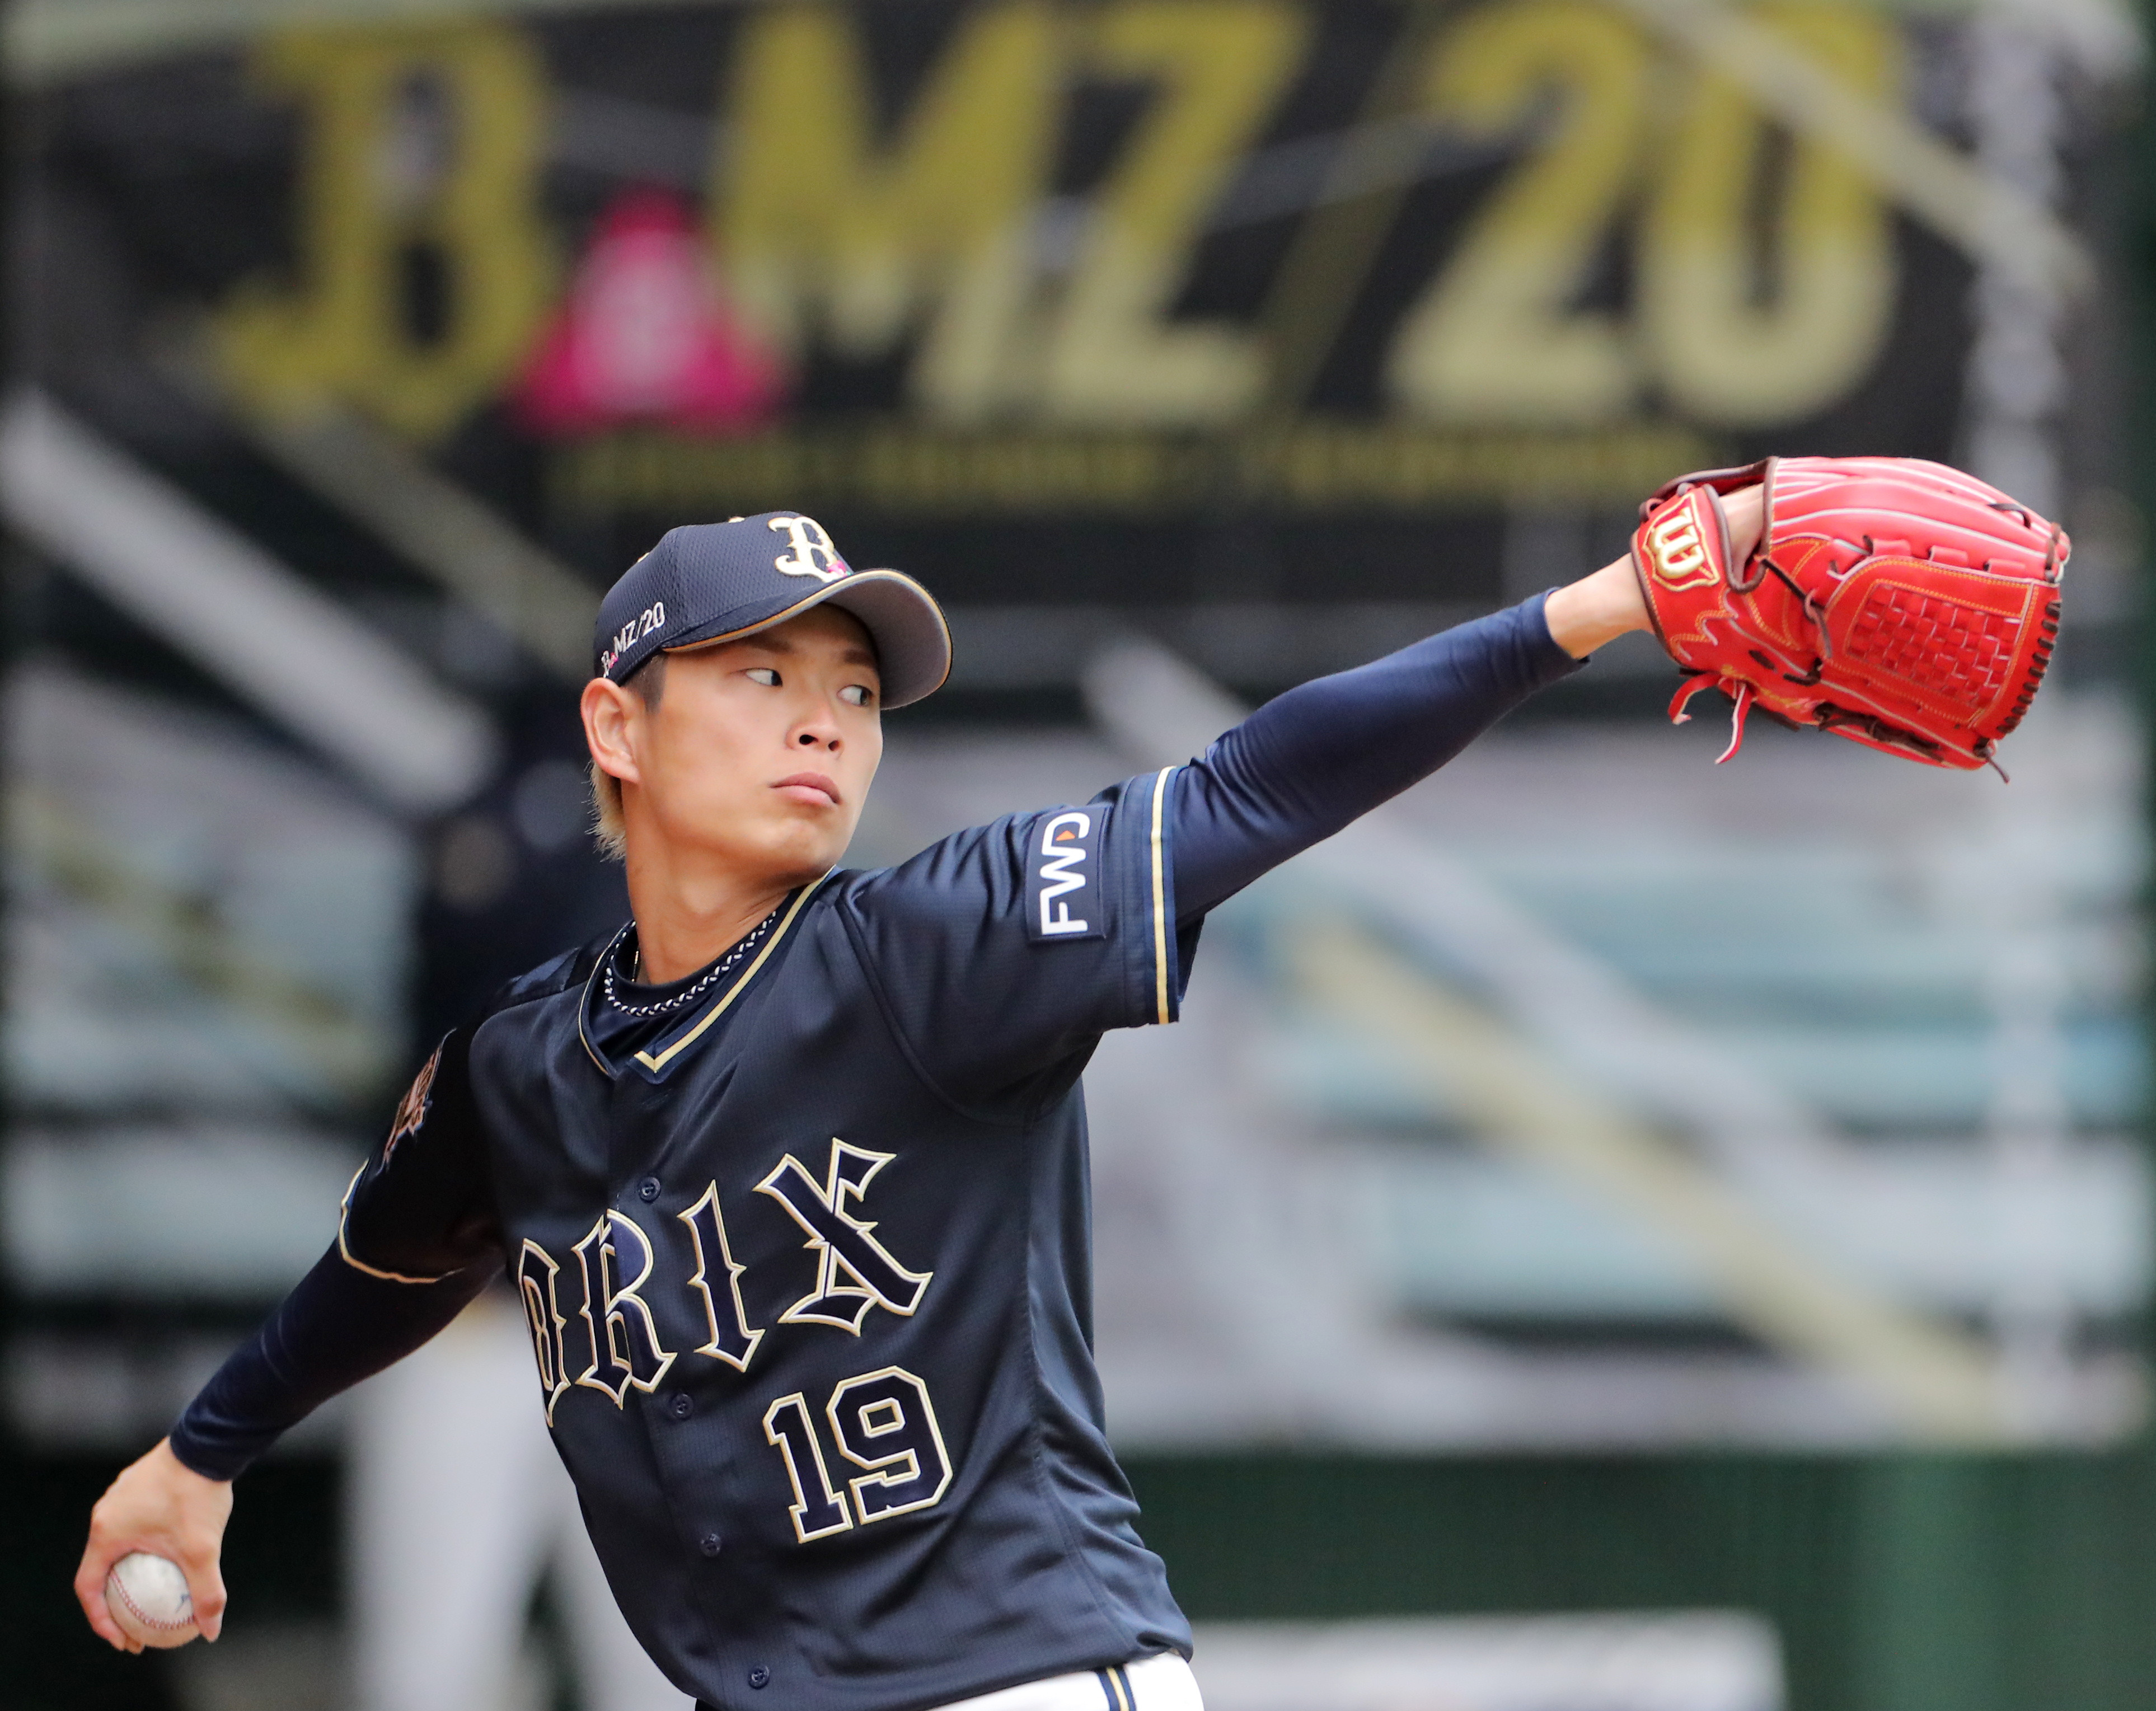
column 760, row 751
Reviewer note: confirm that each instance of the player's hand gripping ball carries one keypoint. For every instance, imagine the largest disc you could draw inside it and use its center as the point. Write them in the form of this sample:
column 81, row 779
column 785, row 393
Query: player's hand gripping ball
column 1899, row 603
column 148, row 1597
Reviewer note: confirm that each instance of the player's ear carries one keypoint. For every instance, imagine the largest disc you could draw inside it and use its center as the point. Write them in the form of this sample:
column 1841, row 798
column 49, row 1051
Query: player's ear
column 609, row 712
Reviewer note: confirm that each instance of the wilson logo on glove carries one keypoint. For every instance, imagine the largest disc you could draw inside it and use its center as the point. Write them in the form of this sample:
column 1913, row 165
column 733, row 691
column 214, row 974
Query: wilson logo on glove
column 1677, row 551
column 1897, row 603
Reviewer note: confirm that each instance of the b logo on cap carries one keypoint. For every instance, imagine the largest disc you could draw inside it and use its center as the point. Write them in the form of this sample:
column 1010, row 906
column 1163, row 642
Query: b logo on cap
column 813, row 554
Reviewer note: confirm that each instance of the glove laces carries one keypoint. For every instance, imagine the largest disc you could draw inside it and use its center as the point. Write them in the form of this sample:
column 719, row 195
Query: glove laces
column 1741, row 695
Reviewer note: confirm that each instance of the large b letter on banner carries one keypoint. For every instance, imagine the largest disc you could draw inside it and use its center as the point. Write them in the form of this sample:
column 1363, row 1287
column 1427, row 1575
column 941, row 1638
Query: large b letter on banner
column 423, row 269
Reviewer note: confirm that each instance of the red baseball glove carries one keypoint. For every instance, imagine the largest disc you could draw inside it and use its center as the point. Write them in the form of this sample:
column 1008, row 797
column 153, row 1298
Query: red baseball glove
column 1897, row 603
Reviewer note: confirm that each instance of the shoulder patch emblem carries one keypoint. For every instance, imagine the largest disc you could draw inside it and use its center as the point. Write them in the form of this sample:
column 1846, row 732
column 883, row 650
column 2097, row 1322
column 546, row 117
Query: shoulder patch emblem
column 412, row 1109
column 1062, row 887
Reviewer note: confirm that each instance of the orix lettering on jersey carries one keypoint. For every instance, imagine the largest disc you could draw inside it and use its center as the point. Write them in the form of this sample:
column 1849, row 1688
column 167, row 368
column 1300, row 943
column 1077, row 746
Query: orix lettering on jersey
column 853, row 1272
column 882, row 1422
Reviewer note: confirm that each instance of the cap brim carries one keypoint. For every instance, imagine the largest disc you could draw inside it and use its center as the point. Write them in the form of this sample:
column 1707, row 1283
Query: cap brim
column 913, row 642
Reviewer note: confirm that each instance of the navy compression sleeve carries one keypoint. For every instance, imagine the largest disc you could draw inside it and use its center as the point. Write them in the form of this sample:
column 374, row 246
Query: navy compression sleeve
column 1308, row 761
column 338, row 1326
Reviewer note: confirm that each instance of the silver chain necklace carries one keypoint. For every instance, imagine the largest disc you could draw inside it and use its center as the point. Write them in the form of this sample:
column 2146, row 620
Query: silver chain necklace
column 718, row 970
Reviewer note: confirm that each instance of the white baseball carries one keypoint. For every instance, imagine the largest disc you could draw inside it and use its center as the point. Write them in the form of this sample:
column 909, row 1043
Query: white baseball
column 148, row 1597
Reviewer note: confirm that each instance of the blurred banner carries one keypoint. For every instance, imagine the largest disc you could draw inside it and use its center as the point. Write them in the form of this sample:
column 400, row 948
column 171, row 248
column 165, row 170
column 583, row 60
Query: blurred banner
column 1588, row 1097
column 1696, row 1660
column 1244, row 305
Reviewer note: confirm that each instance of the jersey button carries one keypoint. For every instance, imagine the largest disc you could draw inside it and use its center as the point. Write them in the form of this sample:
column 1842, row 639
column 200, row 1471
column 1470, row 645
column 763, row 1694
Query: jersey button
column 712, row 1545
column 680, row 1406
column 759, row 1677
column 648, row 1189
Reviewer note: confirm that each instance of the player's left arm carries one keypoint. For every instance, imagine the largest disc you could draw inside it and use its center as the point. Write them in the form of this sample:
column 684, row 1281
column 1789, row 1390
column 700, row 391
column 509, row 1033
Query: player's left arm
column 1002, row 954
column 1596, row 610
column 1325, row 753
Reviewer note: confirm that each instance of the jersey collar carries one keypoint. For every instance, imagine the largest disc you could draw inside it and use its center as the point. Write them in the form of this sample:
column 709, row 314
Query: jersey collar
column 660, row 1051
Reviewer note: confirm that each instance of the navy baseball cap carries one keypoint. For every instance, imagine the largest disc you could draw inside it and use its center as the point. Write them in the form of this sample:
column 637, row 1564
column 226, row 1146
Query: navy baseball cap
column 706, row 582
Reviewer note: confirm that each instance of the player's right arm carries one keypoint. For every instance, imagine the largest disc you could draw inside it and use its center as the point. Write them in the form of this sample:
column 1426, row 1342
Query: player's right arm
column 163, row 1507
column 416, row 1243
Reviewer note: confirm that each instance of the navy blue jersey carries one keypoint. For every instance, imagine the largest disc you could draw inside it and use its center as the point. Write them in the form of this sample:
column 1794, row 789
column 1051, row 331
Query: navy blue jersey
column 803, row 1240
column 805, row 1265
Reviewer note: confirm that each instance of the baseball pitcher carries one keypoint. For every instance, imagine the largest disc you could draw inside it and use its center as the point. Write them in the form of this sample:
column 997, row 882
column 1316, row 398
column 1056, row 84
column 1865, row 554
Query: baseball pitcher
column 789, row 1173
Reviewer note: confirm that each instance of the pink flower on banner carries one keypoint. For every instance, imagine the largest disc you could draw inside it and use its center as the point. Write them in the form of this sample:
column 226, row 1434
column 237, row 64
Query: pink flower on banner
column 647, row 334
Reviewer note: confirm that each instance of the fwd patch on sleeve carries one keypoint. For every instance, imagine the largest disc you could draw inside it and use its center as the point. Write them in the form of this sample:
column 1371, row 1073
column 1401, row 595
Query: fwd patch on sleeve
column 1062, row 898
